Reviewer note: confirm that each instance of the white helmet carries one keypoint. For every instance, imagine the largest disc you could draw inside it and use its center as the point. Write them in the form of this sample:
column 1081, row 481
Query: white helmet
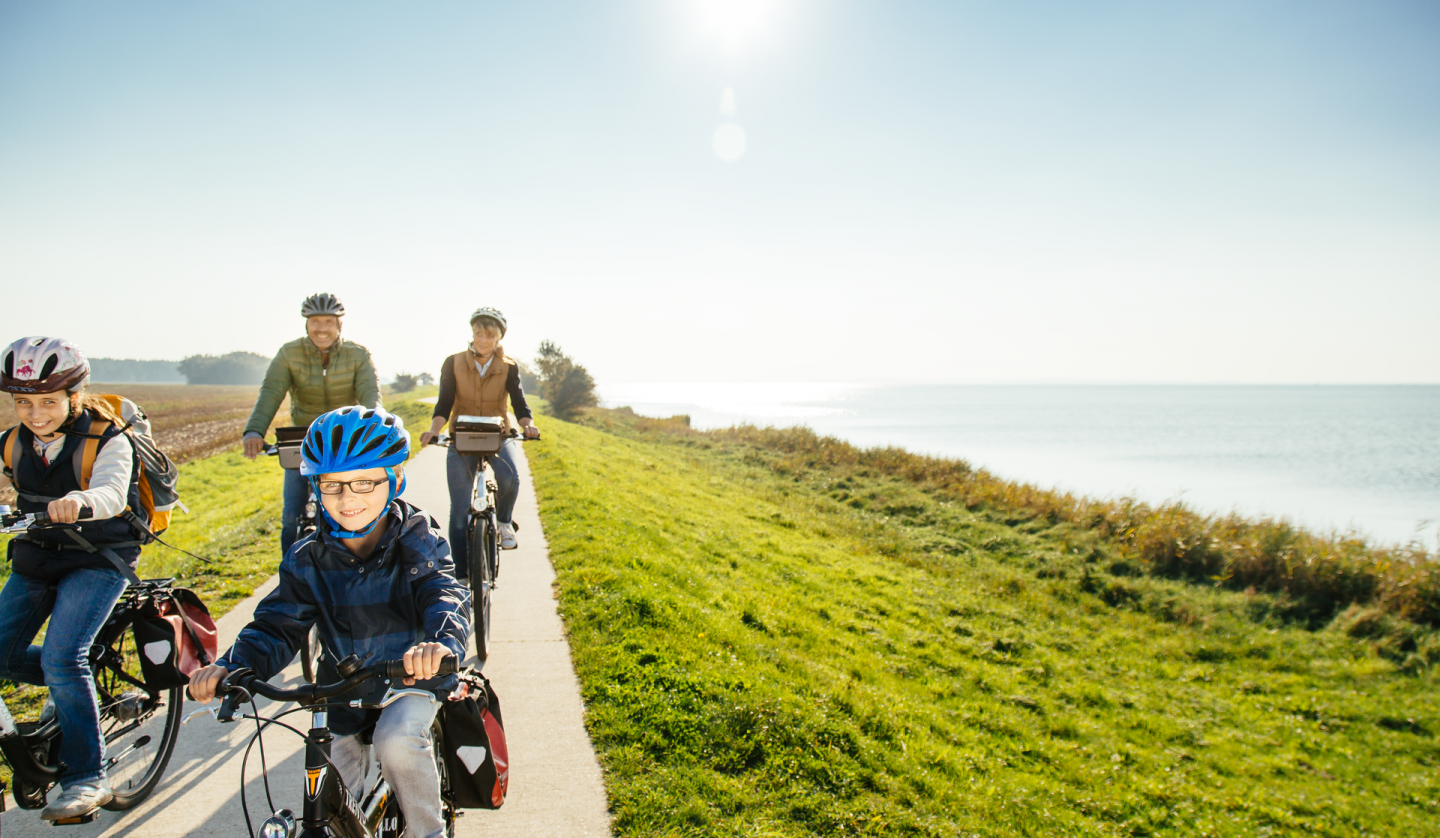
column 43, row 365
column 493, row 314
column 317, row 304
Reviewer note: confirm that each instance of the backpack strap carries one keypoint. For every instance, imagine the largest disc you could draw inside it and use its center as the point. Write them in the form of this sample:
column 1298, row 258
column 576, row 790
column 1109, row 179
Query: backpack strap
column 85, row 463
column 11, row 450
column 108, row 553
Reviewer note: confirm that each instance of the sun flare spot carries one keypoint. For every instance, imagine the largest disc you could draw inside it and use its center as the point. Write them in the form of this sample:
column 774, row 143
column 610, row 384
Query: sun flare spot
column 735, row 21
column 730, row 142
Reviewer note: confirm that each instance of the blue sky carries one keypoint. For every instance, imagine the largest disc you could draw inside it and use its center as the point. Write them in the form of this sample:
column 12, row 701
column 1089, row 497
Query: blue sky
column 931, row 191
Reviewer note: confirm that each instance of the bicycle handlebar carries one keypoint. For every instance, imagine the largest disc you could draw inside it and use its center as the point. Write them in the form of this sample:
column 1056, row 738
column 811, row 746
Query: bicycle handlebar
column 22, row 521
column 246, row 680
column 444, row 440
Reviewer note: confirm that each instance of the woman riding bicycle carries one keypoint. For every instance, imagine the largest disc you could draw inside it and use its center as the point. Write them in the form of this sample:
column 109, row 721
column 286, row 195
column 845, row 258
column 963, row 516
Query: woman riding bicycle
column 476, row 382
column 52, row 574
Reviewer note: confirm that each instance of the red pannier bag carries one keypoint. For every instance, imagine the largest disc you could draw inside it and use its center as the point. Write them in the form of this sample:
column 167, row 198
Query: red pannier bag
column 174, row 636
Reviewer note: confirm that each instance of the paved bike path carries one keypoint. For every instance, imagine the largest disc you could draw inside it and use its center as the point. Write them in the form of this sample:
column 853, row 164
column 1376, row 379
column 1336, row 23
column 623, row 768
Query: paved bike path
column 555, row 782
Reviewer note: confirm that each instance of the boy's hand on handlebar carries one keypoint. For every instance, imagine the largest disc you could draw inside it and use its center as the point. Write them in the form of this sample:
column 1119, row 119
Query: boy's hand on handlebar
column 422, row 661
column 254, row 445
column 204, row 682
column 64, row 510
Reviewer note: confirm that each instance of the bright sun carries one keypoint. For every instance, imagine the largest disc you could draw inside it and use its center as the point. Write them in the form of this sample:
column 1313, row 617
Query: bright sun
column 733, row 20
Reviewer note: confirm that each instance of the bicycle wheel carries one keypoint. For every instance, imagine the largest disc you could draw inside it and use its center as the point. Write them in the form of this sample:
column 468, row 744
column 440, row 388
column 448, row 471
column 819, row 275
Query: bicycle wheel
column 310, row 655
column 447, row 809
column 139, row 724
column 481, row 534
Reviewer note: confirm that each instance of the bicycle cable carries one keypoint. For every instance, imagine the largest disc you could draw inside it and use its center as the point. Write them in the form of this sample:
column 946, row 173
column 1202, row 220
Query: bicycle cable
column 245, row 759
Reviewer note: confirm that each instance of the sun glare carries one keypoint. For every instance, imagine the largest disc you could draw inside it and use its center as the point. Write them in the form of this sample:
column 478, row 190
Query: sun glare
column 734, row 21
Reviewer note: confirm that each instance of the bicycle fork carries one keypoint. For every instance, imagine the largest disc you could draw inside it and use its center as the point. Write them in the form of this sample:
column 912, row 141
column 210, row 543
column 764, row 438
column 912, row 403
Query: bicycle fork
column 329, row 807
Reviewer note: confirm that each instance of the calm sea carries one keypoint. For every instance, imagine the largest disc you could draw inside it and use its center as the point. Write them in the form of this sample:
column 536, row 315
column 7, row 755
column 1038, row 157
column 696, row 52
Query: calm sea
column 1329, row 457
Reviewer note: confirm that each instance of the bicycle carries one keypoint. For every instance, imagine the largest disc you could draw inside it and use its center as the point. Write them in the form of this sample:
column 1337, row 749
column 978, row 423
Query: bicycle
column 329, row 809
column 483, row 436
column 287, row 448
column 139, row 724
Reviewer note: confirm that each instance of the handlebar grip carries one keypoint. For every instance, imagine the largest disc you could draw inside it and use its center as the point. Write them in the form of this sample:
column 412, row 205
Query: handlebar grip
column 44, row 517
column 395, row 670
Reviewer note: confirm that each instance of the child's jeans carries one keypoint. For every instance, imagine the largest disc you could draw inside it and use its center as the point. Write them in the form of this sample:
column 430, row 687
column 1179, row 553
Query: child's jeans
column 405, row 752
column 78, row 606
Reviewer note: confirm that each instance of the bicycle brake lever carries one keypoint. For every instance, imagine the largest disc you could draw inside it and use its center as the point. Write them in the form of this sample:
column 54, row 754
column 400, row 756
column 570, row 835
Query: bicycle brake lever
column 214, row 711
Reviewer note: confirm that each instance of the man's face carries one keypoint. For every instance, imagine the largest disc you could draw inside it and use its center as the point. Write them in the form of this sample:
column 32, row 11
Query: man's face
column 351, row 509
column 323, row 329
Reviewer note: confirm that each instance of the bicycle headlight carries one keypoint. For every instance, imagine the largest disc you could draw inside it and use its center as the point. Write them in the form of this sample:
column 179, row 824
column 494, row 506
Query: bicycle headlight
column 279, row 825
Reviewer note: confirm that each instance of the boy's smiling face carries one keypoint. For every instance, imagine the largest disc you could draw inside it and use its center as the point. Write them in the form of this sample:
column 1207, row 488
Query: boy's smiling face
column 355, row 510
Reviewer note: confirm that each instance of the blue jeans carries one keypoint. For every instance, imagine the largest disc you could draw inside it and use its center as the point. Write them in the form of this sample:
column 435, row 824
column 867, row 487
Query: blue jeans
column 297, row 491
column 460, row 472
column 77, row 606
column 406, row 755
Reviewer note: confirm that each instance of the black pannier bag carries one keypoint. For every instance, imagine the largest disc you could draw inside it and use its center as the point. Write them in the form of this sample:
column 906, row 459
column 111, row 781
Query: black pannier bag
column 174, row 636
column 478, row 434
column 475, row 754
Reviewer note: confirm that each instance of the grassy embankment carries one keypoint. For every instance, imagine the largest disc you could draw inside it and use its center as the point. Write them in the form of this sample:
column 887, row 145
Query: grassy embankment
column 777, row 637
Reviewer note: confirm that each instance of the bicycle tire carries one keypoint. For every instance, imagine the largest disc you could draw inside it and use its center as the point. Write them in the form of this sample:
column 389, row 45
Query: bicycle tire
column 437, row 745
column 310, row 655
column 480, row 533
column 139, row 724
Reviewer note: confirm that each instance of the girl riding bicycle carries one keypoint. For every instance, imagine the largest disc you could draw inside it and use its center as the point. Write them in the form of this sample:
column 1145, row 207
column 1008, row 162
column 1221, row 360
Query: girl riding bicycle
column 477, row 382
column 52, row 575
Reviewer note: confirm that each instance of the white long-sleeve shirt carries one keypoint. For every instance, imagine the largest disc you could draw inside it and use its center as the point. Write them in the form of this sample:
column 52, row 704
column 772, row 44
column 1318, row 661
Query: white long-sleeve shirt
column 109, row 480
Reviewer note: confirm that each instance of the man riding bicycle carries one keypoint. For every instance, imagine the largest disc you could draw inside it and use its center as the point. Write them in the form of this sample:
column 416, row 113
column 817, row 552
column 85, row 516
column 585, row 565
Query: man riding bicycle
column 320, row 372
column 477, row 382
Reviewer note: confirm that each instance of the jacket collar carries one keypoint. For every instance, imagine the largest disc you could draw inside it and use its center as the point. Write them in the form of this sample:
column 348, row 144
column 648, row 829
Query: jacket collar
column 399, row 514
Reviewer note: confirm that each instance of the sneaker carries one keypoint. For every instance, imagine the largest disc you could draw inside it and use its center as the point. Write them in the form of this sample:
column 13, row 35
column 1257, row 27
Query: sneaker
column 507, row 536
column 78, row 800
column 48, row 712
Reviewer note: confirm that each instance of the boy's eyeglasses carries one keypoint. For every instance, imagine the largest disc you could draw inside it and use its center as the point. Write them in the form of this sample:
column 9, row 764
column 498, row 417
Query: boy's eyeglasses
column 359, row 487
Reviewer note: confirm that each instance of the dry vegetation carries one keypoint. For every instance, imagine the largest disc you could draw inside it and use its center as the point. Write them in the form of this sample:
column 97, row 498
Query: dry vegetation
column 189, row 422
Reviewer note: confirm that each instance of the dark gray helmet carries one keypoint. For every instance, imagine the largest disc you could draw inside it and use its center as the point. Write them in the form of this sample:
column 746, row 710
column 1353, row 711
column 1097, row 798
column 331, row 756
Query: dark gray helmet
column 322, row 304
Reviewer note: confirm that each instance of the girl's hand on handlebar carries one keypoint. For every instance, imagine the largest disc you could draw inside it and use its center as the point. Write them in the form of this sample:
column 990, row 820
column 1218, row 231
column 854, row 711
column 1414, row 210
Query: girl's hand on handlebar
column 422, row 661
column 64, row 510
column 204, row 682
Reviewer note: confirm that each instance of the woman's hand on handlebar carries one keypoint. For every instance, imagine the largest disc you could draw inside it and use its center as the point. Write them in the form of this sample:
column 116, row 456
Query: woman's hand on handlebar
column 64, row 511
column 428, row 437
column 205, row 680
column 422, row 661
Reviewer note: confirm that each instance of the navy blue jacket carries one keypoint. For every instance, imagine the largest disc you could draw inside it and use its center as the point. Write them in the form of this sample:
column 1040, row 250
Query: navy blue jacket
column 405, row 593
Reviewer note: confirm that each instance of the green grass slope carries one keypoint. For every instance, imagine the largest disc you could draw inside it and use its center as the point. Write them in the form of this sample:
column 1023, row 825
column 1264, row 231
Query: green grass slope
column 773, row 654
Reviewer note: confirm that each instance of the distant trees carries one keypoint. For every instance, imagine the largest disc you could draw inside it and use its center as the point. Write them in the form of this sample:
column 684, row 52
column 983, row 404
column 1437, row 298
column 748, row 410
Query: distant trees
column 127, row 370
column 566, row 385
column 404, row 383
column 425, row 379
column 231, row 368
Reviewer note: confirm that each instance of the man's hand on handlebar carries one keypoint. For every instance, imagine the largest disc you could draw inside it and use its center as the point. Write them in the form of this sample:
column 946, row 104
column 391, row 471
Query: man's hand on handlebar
column 64, row 511
column 204, row 682
column 423, row 661
column 254, row 447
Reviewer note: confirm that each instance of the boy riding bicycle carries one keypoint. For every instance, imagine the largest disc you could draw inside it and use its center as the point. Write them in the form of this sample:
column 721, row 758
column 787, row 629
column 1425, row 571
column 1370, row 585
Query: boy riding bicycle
column 377, row 580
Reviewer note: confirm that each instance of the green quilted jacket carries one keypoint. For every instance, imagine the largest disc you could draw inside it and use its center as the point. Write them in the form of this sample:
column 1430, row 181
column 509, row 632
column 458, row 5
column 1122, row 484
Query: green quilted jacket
column 313, row 389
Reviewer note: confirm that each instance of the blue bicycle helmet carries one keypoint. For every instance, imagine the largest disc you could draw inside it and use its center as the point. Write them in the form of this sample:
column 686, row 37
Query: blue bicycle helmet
column 351, row 439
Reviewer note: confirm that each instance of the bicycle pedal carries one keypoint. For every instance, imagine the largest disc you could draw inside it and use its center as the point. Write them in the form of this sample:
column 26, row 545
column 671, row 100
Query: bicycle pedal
column 78, row 819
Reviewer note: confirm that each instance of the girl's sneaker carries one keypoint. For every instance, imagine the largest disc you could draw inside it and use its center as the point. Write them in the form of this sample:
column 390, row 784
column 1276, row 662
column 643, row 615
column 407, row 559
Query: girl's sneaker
column 78, row 800
column 507, row 536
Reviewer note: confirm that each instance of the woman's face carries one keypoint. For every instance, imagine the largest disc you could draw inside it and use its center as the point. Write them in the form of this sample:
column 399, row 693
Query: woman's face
column 323, row 329
column 486, row 337
column 42, row 413
column 355, row 510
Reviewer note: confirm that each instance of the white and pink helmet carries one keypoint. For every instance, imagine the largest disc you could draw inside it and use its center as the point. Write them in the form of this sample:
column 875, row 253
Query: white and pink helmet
column 42, row 365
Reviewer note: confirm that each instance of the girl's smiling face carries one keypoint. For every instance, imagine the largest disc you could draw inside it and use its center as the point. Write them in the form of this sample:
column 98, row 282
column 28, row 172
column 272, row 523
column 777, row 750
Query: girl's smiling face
column 354, row 510
column 43, row 413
